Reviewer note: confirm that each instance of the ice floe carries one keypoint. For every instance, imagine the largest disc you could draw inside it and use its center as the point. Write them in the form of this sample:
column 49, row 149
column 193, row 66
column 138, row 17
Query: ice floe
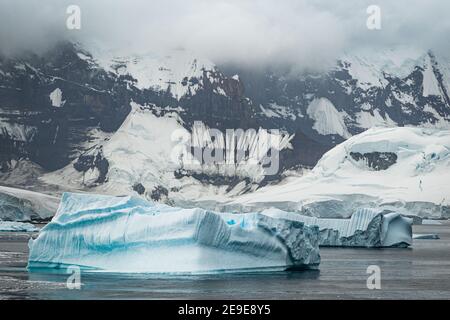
column 365, row 228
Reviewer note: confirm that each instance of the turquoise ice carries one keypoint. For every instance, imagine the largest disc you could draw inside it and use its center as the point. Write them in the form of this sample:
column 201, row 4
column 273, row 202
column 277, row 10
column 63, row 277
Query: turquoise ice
column 129, row 234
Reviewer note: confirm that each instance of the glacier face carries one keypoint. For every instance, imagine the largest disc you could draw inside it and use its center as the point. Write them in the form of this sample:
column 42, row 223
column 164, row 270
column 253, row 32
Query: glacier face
column 365, row 228
column 127, row 234
column 22, row 205
column 400, row 169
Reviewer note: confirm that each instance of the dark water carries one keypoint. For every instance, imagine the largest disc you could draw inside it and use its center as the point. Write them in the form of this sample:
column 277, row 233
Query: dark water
column 421, row 272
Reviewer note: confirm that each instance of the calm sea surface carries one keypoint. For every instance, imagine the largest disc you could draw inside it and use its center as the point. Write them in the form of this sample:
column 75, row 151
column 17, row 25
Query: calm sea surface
column 420, row 272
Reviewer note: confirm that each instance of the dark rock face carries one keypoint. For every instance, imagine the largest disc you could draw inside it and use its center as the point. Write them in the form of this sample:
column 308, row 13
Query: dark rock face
column 50, row 136
column 159, row 193
column 215, row 180
column 93, row 160
column 376, row 160
column 139, row 188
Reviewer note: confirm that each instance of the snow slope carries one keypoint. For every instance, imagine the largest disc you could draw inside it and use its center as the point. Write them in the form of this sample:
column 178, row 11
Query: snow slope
column 370, row 67
column 327, row 120
column 147, row 150
column 126, row 234
column 139, row 152
column 170, row 71
column 403, row 169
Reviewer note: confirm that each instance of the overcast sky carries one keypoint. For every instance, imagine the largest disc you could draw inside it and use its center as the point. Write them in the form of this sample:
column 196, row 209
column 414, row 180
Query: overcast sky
column 299, row 32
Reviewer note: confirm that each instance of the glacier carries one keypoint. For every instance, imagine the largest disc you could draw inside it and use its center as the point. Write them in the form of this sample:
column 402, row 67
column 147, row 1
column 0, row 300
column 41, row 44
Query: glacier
column 10, row 226
column 25, row 206
column 129, row 234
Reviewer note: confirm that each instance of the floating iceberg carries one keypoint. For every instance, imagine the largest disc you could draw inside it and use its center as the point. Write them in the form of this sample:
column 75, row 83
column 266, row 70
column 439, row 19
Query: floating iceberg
column 127, row 234
column 365, row 228
column 17, row 227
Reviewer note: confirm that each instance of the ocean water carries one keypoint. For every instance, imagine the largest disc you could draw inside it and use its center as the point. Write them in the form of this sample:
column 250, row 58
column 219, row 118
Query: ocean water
column 420, row 272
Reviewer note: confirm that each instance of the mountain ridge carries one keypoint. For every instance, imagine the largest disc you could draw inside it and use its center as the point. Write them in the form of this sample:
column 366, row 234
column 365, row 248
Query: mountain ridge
column 55, row 109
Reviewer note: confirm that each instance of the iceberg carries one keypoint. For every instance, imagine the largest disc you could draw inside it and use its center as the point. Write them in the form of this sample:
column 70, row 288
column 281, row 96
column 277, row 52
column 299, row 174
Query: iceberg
column 128, row 234
column 10, row 226
column 365, row 228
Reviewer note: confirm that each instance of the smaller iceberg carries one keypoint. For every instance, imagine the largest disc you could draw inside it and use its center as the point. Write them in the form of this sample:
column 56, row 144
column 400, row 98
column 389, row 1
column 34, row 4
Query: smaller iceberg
column 10, row 226
column 128, row 234
column 366, row 228
column 427, row 236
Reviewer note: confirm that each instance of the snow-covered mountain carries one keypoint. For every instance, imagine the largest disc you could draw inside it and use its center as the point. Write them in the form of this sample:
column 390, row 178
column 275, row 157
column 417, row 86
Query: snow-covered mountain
column 400, row 169
column 80, row 118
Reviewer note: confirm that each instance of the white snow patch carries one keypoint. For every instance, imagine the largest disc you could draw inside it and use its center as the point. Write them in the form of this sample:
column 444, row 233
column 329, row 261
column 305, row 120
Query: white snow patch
column 56, row 98
column 368, row 120
column 369, row 67
column 163, row 72
column 419, row 177
column 430, row 83
column 327, row 119
column 274, row 110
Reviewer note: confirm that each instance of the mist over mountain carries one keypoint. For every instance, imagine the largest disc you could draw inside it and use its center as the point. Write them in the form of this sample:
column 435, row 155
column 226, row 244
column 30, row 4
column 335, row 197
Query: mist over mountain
column 295, row 35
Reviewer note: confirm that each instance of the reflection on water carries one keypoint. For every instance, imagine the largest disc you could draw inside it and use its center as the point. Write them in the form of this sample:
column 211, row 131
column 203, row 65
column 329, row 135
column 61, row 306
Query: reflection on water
column 139, row 286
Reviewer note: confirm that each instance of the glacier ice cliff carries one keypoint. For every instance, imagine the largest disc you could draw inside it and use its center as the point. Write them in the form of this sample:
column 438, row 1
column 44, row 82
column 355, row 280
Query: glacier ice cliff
column 23, row 205
column 128, row 234
column 10, row 226
column 365, row 228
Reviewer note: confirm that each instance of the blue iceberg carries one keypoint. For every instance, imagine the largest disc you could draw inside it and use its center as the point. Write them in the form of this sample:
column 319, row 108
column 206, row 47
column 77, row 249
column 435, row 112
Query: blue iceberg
column 367, row 227
column 129, row 234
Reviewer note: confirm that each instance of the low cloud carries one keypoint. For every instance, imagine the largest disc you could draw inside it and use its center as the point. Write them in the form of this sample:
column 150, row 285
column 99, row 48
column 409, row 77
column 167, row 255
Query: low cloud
column 305, row 34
